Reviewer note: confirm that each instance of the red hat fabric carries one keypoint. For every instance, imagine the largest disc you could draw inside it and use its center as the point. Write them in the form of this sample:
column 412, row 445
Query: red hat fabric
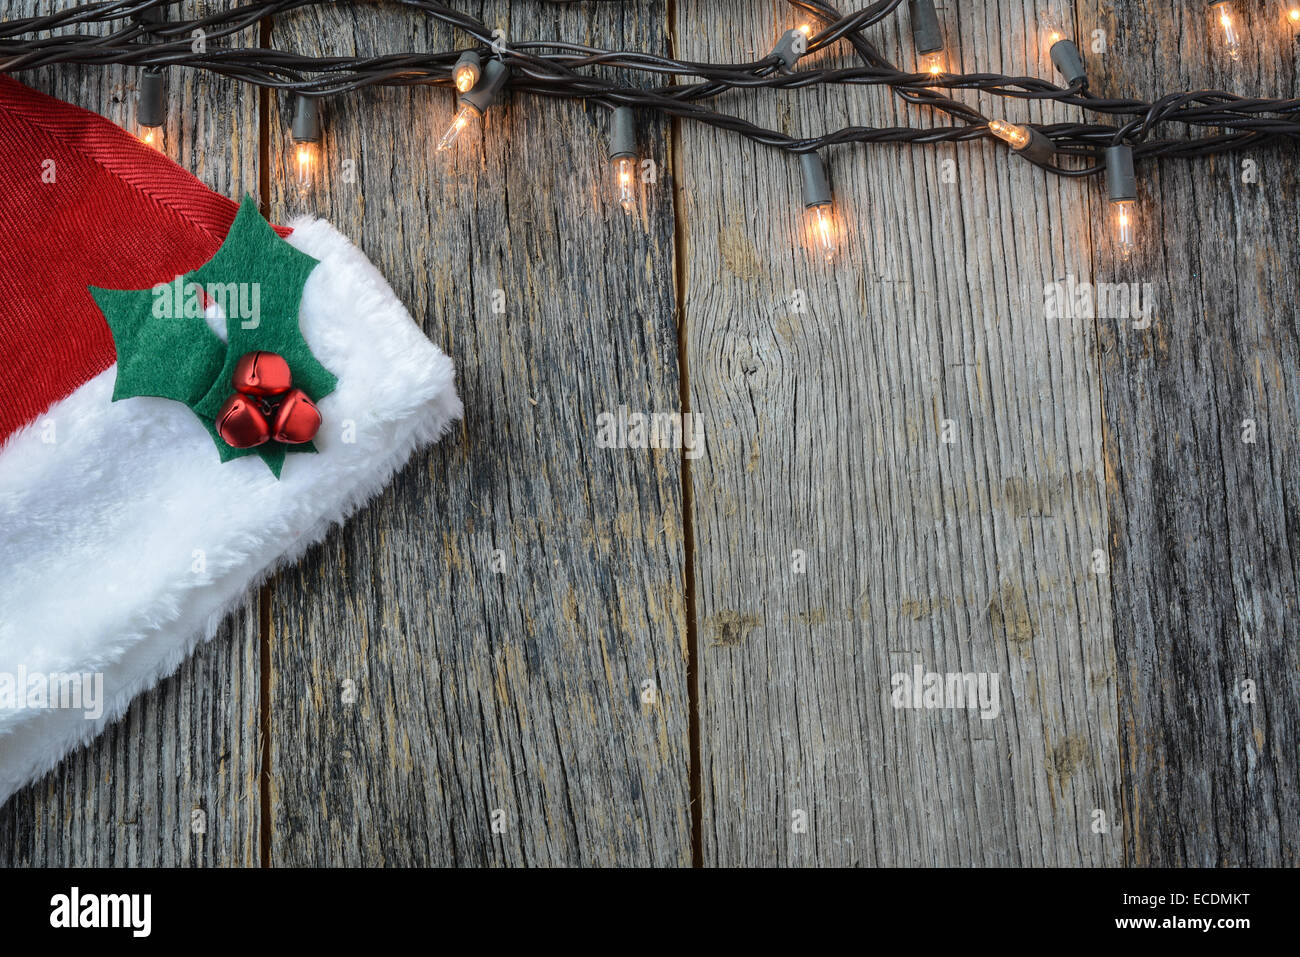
column 82, row 203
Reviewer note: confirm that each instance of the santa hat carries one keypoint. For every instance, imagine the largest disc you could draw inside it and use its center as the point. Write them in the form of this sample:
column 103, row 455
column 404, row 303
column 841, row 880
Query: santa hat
column 137, row 309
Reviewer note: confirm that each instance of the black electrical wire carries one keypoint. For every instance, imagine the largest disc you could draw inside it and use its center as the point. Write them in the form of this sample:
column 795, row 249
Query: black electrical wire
column 1210, row 121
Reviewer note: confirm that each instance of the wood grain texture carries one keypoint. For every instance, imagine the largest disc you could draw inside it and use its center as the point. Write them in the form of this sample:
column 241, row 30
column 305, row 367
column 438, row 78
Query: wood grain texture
column 173, row 783
column 826, row 440
column 1203, row 520
column 415, row 690
column 191, row 744
column 477, row 693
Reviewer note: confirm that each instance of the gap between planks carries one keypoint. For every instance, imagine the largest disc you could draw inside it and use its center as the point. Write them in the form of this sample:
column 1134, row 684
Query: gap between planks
column 688, row 499
column 695, row 786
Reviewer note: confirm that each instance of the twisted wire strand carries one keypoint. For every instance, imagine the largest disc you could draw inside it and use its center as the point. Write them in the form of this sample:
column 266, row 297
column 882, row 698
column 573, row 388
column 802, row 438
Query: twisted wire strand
column 1210, row 121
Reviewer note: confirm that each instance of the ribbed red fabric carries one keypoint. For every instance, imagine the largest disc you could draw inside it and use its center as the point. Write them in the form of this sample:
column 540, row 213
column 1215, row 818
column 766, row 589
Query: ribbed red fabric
column 82, row 202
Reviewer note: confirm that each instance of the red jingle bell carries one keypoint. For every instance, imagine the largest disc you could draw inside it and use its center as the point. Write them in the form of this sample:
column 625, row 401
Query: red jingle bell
column 241, row 424
column 297, row 420
column 261, row 374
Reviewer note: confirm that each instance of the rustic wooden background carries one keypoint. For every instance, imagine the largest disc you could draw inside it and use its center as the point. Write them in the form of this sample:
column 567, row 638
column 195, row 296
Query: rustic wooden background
column 1099, row 533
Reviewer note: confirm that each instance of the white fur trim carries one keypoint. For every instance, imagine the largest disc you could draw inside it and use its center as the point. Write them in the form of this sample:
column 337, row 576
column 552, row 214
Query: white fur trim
column 100, row 529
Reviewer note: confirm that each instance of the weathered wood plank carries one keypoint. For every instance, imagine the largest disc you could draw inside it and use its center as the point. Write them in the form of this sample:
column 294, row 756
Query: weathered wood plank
column 521, row 691
column 476, row 691
column 174, row 783
column 192, row 744
column 1203, row 520
column 828, row 425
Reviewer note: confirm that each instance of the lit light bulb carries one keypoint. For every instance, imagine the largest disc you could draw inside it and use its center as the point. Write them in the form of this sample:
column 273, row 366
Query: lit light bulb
column 927, row 37
column 625, row 178
column 304, row 165
column 1058, row 39
column 1231, row 38
column 1294, row 15
column 305, row 134
column 818, row 210
column 475, row 103
column 465, row 114
column 821, row 225
column 1122, row 191
column 1016, row 136
column 806, row 30
column 467, row 71
column 623, row 155
column 151, row 109
column 1125, row 227
column 1053, row 28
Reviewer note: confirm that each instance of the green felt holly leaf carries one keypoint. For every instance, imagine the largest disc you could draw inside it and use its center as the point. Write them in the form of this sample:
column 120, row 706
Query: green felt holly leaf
column 158, row 355
column 165, row 347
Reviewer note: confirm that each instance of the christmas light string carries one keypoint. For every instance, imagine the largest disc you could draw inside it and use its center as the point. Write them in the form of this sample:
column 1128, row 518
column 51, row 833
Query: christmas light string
column 146, row 35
